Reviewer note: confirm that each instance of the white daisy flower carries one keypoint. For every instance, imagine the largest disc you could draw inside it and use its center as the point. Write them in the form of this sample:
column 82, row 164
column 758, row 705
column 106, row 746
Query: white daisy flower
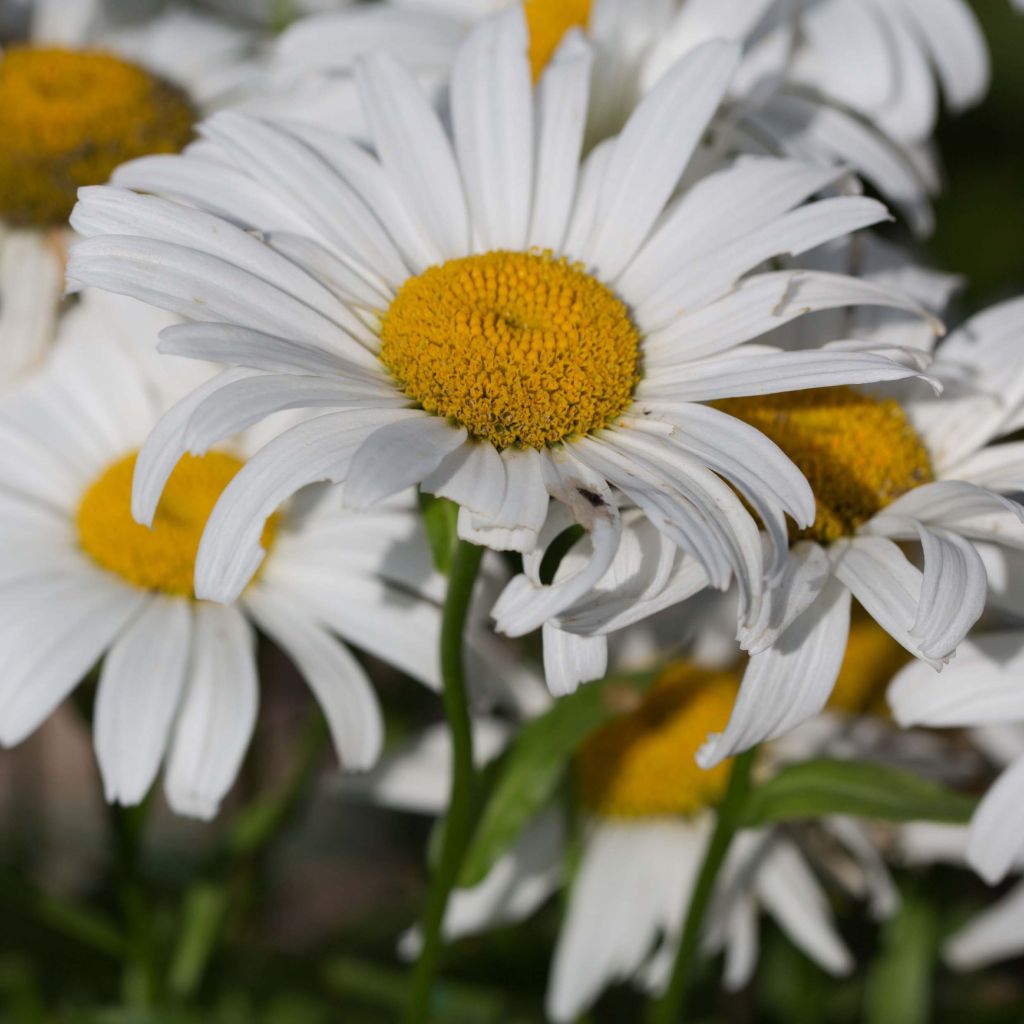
column 486, row 318
column 852, row 81
column 82, row 94
column 982, row 689
column 646, row 818
column 80, row 581
column 886, row 472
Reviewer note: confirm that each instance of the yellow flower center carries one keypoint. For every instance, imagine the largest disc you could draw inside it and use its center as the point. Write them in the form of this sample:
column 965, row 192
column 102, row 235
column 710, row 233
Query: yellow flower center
column 522, row 349
column 858, row 453
column 68, row 118
column 162, row 558
column 642, row 764
column 548, row 21
column 872, row 659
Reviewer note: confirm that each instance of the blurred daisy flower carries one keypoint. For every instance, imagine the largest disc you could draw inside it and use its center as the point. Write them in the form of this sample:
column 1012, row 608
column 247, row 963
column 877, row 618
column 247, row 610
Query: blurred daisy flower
column 81, row 581
column 849, row 81
column 81, row 93
column 488, row 319
column 645, row 813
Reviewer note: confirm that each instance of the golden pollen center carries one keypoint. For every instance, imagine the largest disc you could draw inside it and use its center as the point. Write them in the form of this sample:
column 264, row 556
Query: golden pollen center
column 68, row 118
column 642, row 764
column 547, row 22
column 522, row 349
column 859, row 454
column 162, row 558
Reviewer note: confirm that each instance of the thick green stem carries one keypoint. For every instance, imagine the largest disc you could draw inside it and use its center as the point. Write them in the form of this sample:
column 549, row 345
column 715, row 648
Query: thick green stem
column 465, row 565
column 668, row 1009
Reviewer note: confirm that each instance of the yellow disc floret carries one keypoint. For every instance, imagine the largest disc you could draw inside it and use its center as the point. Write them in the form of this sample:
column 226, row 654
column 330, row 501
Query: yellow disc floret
column 162, row 558
column 642, row 764
column 858, row 453
column 548, row 21
column 68, row 118
column 872, row 658
column 522, row 349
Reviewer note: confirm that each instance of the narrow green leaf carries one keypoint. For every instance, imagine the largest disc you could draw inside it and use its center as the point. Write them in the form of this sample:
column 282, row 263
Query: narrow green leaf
column 899, row 986
column 532, row 768
column 861, row 789
column 440, row 520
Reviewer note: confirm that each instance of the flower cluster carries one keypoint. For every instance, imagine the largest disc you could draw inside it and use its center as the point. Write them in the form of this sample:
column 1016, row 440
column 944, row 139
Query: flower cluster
column 568, row 357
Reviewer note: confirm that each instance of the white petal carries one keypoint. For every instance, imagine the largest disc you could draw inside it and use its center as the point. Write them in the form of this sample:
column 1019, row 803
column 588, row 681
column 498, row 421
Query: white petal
column 654, row 148
column 30, row 294
column 473, row 476
column 319, row 449
column 218, row 712
column 337, row 680
column 415, row 150
column 398, row 455
column 997, row 828
column 982, row 686
column 790, row 682
column 995, row 934
column 562, row 95
column 570, row 659
column 492, row 122
column 139, row 693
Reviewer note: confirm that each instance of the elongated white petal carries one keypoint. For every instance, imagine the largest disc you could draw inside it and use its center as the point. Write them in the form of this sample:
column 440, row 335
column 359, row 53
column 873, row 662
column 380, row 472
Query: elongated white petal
column 982, row 686
column 997, row 829
column 320, row 449
column 791, row 681
column 218, row 712
column 570, row 659
column 562, row 95
column 398, row 455
column 652, row 151
column 139, row 692
column 415, row 150
column 337, row 680
column 473, row 476
column 995, row 934
column 523, row 510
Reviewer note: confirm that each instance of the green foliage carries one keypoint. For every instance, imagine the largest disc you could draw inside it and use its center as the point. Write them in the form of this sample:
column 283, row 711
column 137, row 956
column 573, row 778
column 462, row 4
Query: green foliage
column 534, row 766
column 440, row 520
column 861, row 789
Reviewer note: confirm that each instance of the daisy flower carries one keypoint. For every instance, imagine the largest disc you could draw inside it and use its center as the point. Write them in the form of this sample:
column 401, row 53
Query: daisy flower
column 849, row 81
column 646, row 813
column 886, row 472
column 486, row 318
column 82, row 94
column 82, row 582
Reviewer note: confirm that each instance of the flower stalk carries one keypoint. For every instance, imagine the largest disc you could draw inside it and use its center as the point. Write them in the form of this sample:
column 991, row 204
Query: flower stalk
column 669, row 1008
column 465, row 565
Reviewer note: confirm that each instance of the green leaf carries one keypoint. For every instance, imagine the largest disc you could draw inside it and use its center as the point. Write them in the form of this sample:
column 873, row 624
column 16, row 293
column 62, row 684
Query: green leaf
column 899, row 986
column 530, row 771
column 440, row 520
column 861, row 789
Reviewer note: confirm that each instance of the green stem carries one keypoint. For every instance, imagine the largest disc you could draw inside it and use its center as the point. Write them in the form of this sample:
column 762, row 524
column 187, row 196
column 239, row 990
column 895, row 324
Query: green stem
column 668, row 1009
column 465, row 565
column 140, row 971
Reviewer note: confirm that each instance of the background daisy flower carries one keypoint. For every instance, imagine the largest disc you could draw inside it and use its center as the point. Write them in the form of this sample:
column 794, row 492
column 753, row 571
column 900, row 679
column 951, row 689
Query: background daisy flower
column 489, row 319
column 82, row 92
column 81, row 582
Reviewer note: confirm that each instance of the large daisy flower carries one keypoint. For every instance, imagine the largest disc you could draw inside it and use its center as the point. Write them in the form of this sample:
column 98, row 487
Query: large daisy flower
column 486, row 318
column 886, row 472
column 646, row 813
column 82, row 94
column 80, row 581
column 852, row 81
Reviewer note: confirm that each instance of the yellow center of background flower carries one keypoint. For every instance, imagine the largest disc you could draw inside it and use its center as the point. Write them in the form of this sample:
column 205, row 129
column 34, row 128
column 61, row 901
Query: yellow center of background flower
column 68, row 118
column 642, row 764
column 162, row 558
column 519, row 348
column 872, row 658
column 858, row 453
column 548, row 21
